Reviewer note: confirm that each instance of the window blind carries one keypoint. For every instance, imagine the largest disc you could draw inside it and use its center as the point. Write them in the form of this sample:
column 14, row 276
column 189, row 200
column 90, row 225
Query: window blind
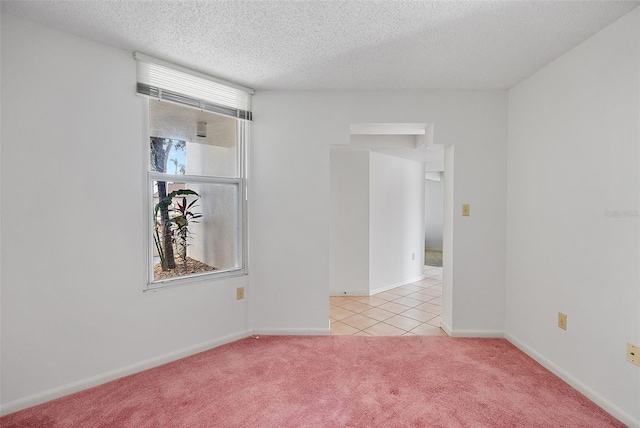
column 165, row 81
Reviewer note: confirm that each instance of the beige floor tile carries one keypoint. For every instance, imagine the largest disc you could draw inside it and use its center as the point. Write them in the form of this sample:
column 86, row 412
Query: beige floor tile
column 339, row 300
column 342, row 329
column 429, row 307
column 409, row 334
column 385, row 295
column 428, row 330
column 378, row 314
column 396, row 308
column 371, row 300
column 407, row 301
column 437, row 287
column 410, row 287
column 340, row 313
column 356, row 307
column 399, row 291
column 432, row 292
column 403, row 323
column 419, row 296
column 359, row 321
column 435, row 321
column 436, row 301
column 382, row 329
column 361, row 333
column 419, row 315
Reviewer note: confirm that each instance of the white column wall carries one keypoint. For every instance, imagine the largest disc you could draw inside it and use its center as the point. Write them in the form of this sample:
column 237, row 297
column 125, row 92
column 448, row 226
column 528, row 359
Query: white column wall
column 573, row 157
column 396, row 222
column 74, row 313
column 290, row 212
column 349, row 263
column 447, row 241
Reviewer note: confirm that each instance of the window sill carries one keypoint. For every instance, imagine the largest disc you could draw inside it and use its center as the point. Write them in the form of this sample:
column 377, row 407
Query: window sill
column 192, row 279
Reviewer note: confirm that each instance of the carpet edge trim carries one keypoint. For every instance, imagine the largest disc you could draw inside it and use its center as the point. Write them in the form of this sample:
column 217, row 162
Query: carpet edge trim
column 90, row 382
column 487, row 334
column 592, row 395
column 292, row 331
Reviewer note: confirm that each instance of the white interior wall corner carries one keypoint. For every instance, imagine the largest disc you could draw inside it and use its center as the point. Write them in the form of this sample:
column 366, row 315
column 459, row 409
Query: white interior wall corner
column 565, row 253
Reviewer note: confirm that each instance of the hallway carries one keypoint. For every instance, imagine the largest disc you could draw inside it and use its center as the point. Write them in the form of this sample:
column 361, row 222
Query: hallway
column 412, row 309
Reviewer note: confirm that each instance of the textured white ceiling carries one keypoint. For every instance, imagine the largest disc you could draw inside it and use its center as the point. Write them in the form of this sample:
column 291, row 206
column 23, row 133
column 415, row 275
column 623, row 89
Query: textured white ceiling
column 340, row 44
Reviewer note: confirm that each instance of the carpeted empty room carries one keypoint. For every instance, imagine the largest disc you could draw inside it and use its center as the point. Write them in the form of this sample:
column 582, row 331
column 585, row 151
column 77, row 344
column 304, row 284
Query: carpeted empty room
column 336, row 381
column 319, row 213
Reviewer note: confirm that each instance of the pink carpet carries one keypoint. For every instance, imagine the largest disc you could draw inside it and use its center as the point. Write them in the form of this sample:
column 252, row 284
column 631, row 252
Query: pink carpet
column 332, row 381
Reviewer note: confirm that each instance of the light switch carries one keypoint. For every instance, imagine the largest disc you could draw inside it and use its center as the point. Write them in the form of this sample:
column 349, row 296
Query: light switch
column 465, row 210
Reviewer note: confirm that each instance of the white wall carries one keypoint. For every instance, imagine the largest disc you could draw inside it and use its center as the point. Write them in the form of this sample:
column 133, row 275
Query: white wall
column 290, row 222
column 349, row 262
column 73, row 310
column 433, row 212
column 0, row 212
column 396, row 221
column 290, row 214
column 573, row 156
column 448, row 238
column 73, row 246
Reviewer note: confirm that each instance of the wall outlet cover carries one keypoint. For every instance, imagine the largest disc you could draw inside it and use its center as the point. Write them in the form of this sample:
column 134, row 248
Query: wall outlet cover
column 562, row 320
column 633, row 354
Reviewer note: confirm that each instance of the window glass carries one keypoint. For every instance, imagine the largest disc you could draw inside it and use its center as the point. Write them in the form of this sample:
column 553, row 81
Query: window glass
column 196, row 192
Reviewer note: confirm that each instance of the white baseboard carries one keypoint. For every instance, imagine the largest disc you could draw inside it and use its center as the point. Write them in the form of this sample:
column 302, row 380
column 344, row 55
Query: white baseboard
column 493, row 334
column 446, row 328
column 397, row 284
column 592, row 395
column 70, row 388
column 292, row 331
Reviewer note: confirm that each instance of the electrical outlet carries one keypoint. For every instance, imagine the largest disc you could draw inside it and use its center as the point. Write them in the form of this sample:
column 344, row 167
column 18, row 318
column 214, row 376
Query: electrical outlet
column 239, row 293
column 633, row 354
column 562, row 320
column 465, row 210
column 413, row 256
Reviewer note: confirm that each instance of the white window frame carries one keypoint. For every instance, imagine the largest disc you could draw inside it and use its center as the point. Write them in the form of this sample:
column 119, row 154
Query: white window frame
column 242, row 143
column 239, row 184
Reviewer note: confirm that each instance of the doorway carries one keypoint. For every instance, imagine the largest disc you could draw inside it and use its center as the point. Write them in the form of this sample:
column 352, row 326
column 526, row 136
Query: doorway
column 433, row 213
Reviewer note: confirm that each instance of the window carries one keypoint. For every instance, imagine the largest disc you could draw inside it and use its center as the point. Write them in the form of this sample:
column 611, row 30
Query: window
column 196, row 180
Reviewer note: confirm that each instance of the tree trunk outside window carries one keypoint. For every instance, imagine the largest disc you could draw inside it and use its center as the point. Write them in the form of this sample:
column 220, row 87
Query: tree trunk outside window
column 159, row 155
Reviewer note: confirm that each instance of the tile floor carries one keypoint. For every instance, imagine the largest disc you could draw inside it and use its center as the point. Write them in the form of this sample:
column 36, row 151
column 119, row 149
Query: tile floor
column 412, row 309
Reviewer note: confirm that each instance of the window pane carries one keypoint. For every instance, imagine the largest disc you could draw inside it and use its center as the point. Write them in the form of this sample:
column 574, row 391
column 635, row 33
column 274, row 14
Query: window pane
column 196, row 228
column 168, row 155
column 190, row 141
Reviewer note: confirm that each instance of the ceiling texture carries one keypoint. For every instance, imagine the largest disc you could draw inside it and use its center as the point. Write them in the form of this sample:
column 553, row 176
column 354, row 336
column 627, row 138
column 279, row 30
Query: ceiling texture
column 340, row 45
